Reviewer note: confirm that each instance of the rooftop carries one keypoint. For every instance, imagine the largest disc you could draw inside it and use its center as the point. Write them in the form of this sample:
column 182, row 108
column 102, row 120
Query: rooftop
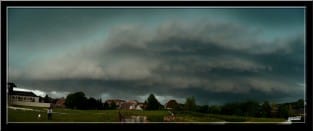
column 23, row 93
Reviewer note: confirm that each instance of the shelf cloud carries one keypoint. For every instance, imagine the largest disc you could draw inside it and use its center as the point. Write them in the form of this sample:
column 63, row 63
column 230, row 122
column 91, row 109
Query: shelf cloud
column 173, row 55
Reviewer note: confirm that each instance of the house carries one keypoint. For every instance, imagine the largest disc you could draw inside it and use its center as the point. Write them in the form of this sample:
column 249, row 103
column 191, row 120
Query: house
column 117, row 102
column 171, row 104
column 24, row 98
column 131, row 105
column 138, row 107
column 128, row 105
column 60, row 103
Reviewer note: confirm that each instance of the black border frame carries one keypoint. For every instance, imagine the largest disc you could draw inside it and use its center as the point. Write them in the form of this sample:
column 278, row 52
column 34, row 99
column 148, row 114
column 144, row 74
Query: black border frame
column 294, row 126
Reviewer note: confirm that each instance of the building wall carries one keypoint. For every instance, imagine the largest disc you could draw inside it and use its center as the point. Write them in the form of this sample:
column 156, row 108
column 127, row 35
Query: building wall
column 26, row 101
column 36, row 99
column 36, row 104
column 24, row 98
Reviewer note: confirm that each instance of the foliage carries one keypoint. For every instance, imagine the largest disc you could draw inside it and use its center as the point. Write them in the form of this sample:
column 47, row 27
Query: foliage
column 214, row 109
column 153, row 103
column 203, row 109
column 11, row 85
column 112, row 106
column 190, row 104
column 299, row 104
column 247, row 108
column 266, row 109
column 100, row 105
column 76, row 100
column 47, row 99
column 106, row 106
column 92, row 103
column 285, row 111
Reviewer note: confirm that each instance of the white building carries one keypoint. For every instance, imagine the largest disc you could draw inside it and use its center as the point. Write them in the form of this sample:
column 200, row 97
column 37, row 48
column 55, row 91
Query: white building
column 25, row 99
column 23, row 96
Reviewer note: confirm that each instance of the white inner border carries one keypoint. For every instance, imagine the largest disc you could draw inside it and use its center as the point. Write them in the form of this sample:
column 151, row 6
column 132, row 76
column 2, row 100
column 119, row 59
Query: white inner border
column 169, row 7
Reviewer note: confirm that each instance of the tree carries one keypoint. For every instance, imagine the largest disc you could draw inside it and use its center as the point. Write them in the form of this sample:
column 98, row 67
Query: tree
column 92, row 103
column 11, row 85
column 266, row 109
column 274, row 110
column 112, row 106
column 153, row 103
column 190, row 104
column 106, row 106
column 47, row 99
column 215, row 109
column 247, row 108
column 299, row 104
column 250, row 108
column 232, row 109
column 203, row 109
column 290, row 111
column 100, row 105
column 283, row 111
column 76, row 100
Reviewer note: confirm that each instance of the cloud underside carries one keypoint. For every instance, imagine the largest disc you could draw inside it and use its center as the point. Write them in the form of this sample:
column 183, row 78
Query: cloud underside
column 212, row 61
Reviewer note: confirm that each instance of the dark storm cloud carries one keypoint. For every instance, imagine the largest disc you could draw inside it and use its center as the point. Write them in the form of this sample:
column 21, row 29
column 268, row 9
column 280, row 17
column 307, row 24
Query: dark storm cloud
column 279, row 18
column 215, row 62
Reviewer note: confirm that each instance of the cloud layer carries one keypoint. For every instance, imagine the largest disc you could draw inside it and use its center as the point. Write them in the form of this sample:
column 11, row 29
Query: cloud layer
column 213, row 61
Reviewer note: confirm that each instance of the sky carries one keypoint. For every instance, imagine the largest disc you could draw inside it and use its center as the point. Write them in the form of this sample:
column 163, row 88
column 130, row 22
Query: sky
column 217, row 55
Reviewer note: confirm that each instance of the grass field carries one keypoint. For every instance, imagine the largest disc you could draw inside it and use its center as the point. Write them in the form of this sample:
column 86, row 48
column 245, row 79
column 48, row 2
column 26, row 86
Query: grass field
column 69, row 115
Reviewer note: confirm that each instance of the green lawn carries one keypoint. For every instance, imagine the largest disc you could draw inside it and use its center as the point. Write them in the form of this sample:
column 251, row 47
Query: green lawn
column 69, row 115
column 200, row 117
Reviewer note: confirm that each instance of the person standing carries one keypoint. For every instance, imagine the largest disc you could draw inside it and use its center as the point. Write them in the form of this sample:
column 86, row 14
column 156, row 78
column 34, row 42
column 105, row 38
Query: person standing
column 120, row 117
column 49, row 113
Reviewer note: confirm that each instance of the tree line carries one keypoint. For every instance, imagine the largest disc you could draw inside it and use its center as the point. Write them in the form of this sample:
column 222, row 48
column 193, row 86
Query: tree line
column 245, row 108
column 78, row 100
column 251, row 108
